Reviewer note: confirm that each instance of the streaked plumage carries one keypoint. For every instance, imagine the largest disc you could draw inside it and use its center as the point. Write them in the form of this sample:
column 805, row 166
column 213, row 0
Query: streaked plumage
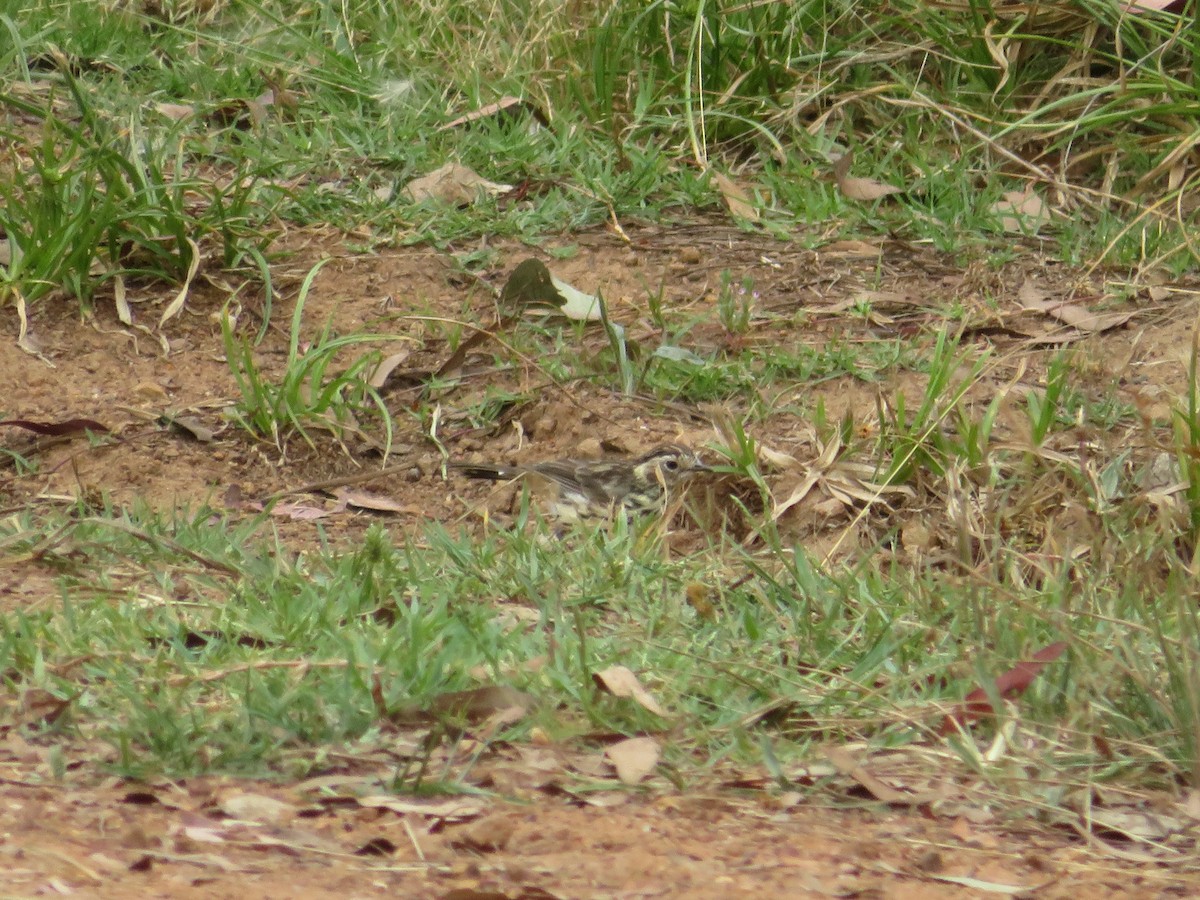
column 594, row 488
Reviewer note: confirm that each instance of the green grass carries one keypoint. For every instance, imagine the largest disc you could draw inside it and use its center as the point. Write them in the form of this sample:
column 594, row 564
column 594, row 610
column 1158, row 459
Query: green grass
column 196, row 644
column 639, row 98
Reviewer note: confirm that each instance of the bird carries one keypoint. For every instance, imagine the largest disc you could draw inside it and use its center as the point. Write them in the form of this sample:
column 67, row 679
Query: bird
column 597, row 488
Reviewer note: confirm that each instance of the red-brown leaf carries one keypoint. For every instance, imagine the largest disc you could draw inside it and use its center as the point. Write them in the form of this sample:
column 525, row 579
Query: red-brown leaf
column 1012, row 683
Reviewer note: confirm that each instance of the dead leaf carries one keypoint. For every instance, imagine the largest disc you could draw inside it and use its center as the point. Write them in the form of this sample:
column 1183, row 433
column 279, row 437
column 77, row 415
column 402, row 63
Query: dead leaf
column 533, row 288
column 453, row 183
column 859, row 188
column 1077, row 316
column 621, row 682
column 247, row 807
column 298, row 511
column 58, row 429
column 740, row 204
column 190, row 426
column 449, row 809
column 176, row 304
column 367, row 500
column 1022, row 212
column 1133, row 824
column 634, row 758
column 880, row 790
column 176, row 112
column 851, row 249
column 1011, row 684
column 380, row 376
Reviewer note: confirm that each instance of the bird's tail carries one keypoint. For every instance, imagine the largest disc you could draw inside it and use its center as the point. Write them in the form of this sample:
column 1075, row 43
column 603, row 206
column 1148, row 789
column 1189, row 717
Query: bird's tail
column 488, row 473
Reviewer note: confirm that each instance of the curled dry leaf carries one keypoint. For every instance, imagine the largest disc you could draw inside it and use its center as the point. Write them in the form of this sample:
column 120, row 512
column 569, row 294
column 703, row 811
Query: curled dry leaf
column 860, row 188
column 634, row 758
column 176, row 304
column 740, row 204
column 1133, row 824
column 367, row 500
column 453, row 183
column 621, row 682
column 385, row 368
column 189, row 426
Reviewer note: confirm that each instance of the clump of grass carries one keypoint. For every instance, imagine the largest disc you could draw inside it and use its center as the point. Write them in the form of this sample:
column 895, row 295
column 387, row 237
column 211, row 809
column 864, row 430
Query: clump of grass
column 306, row 396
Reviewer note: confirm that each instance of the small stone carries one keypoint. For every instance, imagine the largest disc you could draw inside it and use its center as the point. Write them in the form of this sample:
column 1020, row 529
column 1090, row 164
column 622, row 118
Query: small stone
column 588, row 448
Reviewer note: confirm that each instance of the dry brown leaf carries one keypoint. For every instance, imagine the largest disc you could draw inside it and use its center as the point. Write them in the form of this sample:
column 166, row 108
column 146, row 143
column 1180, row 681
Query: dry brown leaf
column 190, row 426
column 1072, row 314
column 740, row 203
column 621, row 682
column 1022, row 212
column 860, row 188
column 880, row 790
column 298, row 511
column 851, row 250
column 1133, row 824
column 453, row 183
column 260, row 808
column 385, row 368
column 176, row 112
column 450, row 809
column 367, row 500
column 634, row 758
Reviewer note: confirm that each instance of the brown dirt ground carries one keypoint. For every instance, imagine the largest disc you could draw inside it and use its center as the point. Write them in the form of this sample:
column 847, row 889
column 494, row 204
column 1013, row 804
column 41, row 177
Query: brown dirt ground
column 100, row 838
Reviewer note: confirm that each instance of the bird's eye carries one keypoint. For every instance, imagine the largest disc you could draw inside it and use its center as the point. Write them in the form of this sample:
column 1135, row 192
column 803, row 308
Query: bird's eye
column 670, row 464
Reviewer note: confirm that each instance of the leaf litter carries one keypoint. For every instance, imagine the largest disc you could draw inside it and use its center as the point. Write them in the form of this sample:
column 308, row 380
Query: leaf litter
column 546, row 767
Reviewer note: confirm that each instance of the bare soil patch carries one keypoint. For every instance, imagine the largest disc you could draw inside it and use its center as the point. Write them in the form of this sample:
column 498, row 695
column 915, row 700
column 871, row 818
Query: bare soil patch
column 116, row 839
